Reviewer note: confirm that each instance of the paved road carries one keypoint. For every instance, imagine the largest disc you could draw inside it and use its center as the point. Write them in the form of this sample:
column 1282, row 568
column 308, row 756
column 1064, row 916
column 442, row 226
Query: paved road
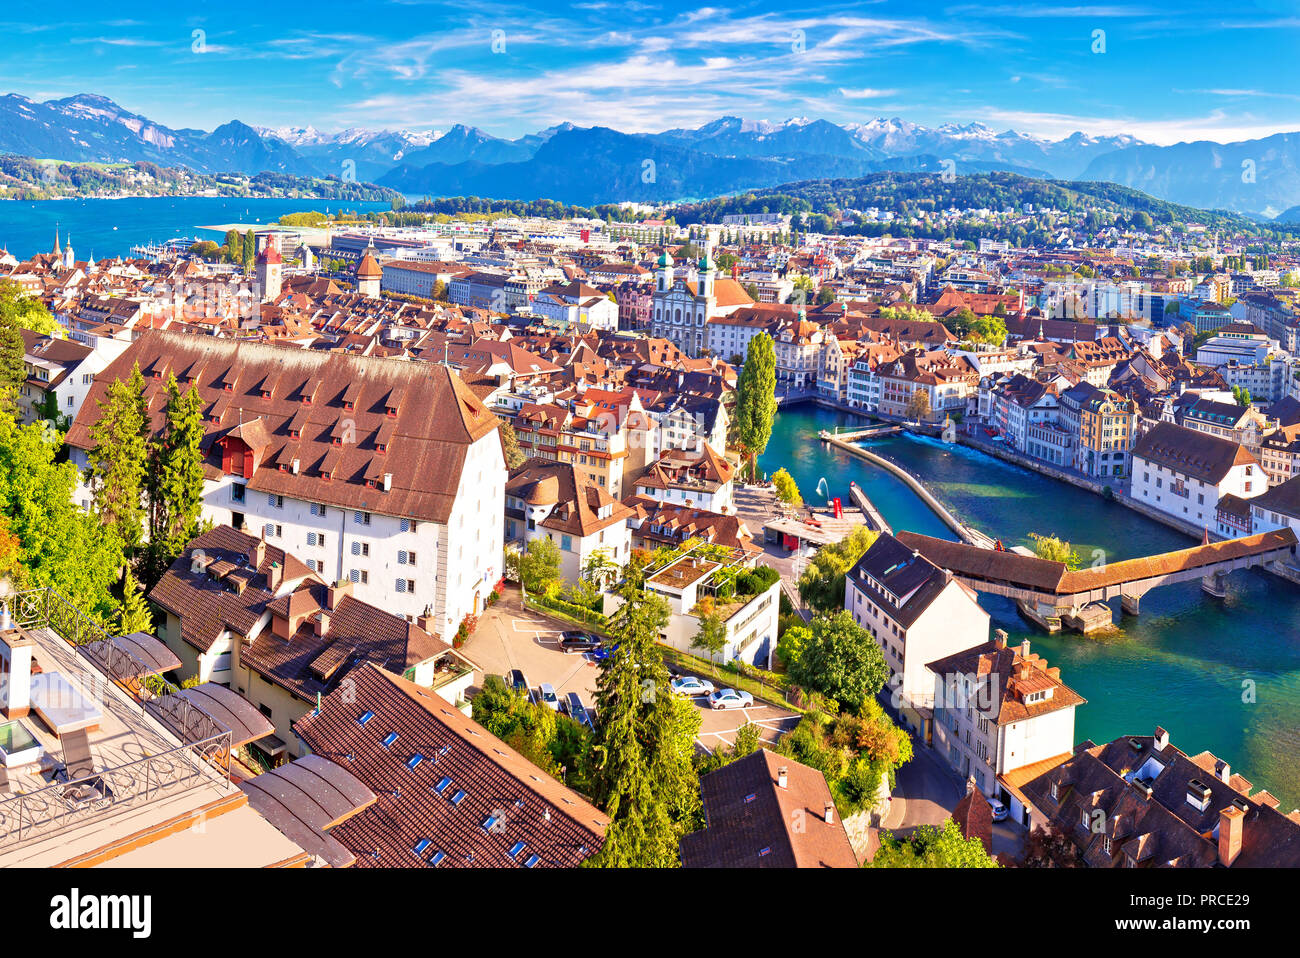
column 927, row 791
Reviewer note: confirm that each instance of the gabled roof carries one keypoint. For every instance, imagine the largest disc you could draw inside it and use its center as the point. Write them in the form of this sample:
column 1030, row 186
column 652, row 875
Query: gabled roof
column 445, row 785
column 749, row 818
column 436, row 420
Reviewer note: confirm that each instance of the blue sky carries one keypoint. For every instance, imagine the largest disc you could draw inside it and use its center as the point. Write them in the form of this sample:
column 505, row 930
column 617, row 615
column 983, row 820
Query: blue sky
column 1188, row 71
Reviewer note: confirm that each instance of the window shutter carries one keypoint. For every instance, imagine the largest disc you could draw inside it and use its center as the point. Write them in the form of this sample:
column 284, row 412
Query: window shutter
column 268, row 529
column 356, row 518
column 311, row 538
column 406, row 525
column 270, row 498
column 356, row 548
column 401, row 585
column 401, row 557
column 354, row 576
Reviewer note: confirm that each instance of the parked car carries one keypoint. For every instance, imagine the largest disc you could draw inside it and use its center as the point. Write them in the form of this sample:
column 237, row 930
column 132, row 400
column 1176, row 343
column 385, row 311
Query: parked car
column 999, row 810
column 730, row 699
column 549, row 698
column 574, row 641
column 690, row 685
column 603, row 652
column 515, row 679
column 574, row 707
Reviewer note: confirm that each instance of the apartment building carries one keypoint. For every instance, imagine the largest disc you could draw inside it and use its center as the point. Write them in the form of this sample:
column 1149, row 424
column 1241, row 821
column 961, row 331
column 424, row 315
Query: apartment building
column 597, row 444
column 387, row 473
column 917, row 612
column 1104, row 426
column 248, row 616
column 998, row 709
column 1184, row 472
column 552, row 500
column 1140, row 802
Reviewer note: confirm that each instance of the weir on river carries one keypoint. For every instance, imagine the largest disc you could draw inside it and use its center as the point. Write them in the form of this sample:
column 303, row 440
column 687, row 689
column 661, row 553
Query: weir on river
column 1220, row 674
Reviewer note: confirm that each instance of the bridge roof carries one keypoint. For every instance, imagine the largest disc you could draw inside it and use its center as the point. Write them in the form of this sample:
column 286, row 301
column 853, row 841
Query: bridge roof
column 1130, row 570
column 1054, row 577
column 988, row 564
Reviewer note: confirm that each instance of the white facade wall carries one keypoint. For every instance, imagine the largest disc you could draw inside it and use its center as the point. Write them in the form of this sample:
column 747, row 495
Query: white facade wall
column 1194, row 501
column 455, row 566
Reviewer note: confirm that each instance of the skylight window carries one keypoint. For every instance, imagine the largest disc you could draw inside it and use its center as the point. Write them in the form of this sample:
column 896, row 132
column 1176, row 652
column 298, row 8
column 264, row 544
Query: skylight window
column 459, row 796
column 389, row 739
column 442, row 785
column 437, row 858
column 532, row 861
column 421, row 845
column 516, row 848
column 365, row 717
column 414, row 761
column 490, row 822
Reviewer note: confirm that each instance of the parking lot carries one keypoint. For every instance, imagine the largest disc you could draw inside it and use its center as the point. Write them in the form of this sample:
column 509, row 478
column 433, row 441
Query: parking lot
column 512, row 637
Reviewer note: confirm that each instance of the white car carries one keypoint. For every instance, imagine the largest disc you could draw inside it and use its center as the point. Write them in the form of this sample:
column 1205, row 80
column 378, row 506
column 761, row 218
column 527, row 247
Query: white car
column 691, row 685
column 548, row 696
column 730, row 699
column 999, row 810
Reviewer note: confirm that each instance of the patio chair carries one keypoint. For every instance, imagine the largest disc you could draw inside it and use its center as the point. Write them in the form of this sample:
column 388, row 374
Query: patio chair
column 77, row 760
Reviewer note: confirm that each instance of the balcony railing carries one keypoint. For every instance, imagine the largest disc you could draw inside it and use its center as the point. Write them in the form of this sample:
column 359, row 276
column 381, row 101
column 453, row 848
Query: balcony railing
column 62, row 805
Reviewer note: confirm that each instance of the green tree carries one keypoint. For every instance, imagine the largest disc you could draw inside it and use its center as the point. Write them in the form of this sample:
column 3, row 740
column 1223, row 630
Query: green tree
column 841, row 660
column 918, row 407
column 786, row 490
column 539, row 566
column 510, row 445
column 249, row 251
column 756, row 399
column 749, row 739
column 50, row 541
column 26, row 312
column 175, row 480
column 932, row 847
column 1054, row 549
column 132, row 612
column 825, row 296
column 644, row 778
column 13, row 371
column 600, row 568
column 117, row 460
column 712, row 634
column 821, row 586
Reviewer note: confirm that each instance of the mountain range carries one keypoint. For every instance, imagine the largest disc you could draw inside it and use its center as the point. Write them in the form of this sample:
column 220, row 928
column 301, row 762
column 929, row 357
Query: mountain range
column 597, row 164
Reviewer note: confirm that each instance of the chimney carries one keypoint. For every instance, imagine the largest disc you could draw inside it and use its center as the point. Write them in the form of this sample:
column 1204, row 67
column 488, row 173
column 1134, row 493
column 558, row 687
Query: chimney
column 426, row 621
column 295, row 467
column 274, row 577
column 322, row 623
column 336, row 592
column 1000, row 639
column 782, row 776
column 1161, row 739
column 388, row 481
column 1222, row 771
column 258, row 555
column 16, row 648
column 1024, row 649
column 1231, row 821
column 829, row 813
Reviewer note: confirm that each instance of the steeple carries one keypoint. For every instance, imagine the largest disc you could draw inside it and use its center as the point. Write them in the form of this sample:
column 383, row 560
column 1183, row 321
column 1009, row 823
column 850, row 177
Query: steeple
column 56, row 251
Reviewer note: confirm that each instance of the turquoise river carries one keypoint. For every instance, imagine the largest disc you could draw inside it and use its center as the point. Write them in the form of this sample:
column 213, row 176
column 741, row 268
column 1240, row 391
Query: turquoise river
column 1222, row 675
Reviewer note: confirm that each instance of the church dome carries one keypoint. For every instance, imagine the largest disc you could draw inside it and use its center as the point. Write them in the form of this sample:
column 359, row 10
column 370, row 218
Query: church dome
column 665, row 259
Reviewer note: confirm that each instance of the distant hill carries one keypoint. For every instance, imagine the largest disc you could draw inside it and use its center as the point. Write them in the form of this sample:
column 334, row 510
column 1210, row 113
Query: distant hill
column 1252, row 176
column 596, row 165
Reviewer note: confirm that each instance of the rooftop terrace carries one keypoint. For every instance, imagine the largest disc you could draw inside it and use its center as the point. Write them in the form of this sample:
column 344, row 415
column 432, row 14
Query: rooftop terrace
column 89, row 765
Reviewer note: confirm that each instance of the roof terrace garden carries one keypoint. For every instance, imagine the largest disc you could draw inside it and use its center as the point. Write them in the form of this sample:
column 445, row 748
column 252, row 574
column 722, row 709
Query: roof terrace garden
column 98, row 745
